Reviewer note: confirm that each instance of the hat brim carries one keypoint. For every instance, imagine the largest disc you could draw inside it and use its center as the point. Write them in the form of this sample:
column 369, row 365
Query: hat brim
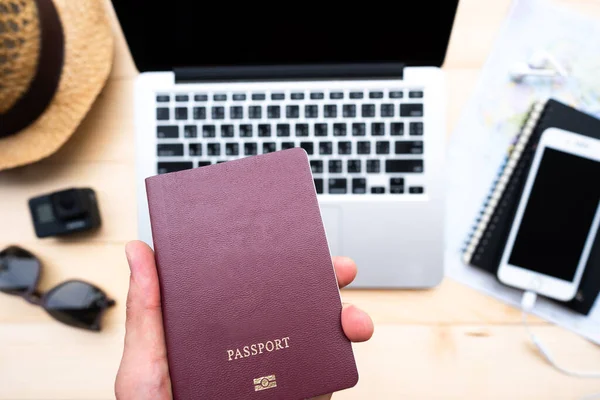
column 88, row 60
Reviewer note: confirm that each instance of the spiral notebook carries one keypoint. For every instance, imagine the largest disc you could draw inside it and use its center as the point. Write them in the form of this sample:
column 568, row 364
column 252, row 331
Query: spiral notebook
column 486, row 242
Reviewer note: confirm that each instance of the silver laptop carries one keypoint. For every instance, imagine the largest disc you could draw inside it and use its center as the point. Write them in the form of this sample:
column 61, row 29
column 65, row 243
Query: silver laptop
column 358, row 87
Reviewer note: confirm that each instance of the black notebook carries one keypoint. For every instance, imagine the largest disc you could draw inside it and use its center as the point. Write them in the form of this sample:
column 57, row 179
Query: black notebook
column 486, row 242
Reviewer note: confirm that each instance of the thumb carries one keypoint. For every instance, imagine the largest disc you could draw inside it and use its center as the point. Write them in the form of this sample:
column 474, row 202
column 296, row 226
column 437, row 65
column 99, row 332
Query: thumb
column 144, row 329
column 143, row 372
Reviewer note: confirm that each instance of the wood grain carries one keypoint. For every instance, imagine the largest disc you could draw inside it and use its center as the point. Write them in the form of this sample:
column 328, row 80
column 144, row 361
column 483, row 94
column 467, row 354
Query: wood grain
column 450, row 342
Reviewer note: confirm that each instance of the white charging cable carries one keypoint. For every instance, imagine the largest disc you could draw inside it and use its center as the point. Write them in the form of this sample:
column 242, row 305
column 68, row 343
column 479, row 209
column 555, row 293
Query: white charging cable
column 527, row 303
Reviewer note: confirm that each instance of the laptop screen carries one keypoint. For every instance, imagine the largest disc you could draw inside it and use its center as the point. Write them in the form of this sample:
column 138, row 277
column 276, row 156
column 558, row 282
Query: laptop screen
column 167, row 34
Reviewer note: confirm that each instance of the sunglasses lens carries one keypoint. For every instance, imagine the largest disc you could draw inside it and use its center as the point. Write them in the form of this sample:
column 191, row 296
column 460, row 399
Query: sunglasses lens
column 19, row 271
column 77, row 304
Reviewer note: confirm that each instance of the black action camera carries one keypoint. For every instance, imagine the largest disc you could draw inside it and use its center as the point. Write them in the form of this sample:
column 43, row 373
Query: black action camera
column 64, row 212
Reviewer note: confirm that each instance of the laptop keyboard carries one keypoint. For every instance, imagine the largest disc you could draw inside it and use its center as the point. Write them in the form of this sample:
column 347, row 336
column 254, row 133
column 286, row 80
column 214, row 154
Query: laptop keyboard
column 358, row 141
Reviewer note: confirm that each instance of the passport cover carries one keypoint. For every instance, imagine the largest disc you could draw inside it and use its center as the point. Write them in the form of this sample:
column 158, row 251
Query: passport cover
column 250, row 302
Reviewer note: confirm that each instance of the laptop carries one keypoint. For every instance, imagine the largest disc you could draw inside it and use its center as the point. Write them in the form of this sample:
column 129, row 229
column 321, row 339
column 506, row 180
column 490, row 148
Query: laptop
column 358, row 87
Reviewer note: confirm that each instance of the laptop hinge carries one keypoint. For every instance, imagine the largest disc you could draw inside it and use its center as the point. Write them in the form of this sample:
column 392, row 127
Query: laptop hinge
column 289, row 72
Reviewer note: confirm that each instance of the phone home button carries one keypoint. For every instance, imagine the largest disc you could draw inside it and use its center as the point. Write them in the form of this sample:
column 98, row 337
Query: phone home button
column 535, row 284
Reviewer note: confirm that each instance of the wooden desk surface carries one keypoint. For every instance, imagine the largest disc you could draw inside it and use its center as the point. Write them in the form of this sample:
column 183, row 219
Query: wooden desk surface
column 450, row 342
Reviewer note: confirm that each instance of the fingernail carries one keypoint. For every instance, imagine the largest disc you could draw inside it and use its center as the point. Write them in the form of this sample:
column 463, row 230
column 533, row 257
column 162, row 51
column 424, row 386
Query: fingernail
column 129, row 255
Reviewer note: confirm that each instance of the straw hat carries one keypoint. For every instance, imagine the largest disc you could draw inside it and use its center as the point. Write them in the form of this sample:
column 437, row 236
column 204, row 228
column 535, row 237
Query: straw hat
column 55, row 56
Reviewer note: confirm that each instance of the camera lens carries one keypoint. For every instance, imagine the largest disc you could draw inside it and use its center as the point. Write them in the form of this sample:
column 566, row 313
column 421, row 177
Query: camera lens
column 67, row 204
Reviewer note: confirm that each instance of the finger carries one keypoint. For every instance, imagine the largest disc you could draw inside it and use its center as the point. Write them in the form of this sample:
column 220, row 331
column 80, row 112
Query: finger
column 345, row 270
column 357, row 324
column 144, row 329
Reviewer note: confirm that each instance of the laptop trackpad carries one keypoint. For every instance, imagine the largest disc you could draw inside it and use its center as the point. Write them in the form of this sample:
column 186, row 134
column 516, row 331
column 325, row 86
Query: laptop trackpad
column 332, row 219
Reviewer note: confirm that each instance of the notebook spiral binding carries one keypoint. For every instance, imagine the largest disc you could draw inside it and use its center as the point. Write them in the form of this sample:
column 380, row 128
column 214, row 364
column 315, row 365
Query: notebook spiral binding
column 503, row 178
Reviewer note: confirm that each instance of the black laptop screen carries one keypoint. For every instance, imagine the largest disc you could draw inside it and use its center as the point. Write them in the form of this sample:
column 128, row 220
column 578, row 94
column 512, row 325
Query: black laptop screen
column 166, row 34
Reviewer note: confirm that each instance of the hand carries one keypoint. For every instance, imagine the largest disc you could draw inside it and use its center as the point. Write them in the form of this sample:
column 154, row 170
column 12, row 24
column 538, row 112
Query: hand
column 144, row 371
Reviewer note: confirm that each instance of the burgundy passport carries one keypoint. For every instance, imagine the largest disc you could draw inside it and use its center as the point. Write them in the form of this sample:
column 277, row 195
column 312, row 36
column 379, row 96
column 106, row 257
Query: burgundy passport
column 251, row 307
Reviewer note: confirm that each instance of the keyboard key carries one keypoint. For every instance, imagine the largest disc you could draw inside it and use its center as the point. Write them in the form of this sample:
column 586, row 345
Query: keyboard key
column 337, row 186
column 335, row 166
column 376, row 95
column 239, row 96
column 377, row 129
column 232, row 149
column 273, row 112
column 415, row 94
column 213, row 149
column 356, row 95
column 246, row 130
column 368, row 110
column 182, row 97
column 354, row 166
column 301, row 129
column 330, row 111
column 195, row 149
column 218, row 113
column 373, row 166
column 382, row 148
column 297, row 96
column 311, row 111
column 236, row 112
column 316, row 166
column 220, row 162
column 403, row 166
column 317, row 96
column 264, row 130
column 387, row 110
column 416, row 190
column 226, row 130
column 287, row 145
column 199, row 112
column 319, row 185
column 203, row 164
column 409, row 147
column 396, row 94
column 411, row 110
column 292, row 112
column 336, row 95
column 397, row 129
column 325, row 148
column 220, row 97
column 339, row 129
column 349, row 110
column 344, row 147
column 378, row 190
column 169, row 150
column 320, row 129
column 200, row 97
column 269, row 147
column 250, row 149
column 396, row 185
column 308, row 146
column 277, row 96
column 359, row 186
column 208, row 131
column 363, row 147
column 162, row 113
column 163, row 98
column 167, row 131
column 181, row 113
column 359, row 129
column 258, row 96
column 255, row 112
column 166, row 167
column 415, row 129
column 283, row 130
column 190, row 131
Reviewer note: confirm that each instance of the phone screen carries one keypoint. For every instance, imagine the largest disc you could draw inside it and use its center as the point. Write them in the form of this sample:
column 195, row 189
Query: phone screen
column 558, row 216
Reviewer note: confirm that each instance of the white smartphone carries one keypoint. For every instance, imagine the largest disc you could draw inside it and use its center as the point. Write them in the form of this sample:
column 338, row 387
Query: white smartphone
column 557, row 218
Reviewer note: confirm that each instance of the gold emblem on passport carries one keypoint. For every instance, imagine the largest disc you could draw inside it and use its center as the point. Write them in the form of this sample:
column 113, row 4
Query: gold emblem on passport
column 264, row 383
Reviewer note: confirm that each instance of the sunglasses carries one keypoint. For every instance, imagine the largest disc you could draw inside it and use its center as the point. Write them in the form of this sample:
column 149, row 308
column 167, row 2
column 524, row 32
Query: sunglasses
column 74, row 302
